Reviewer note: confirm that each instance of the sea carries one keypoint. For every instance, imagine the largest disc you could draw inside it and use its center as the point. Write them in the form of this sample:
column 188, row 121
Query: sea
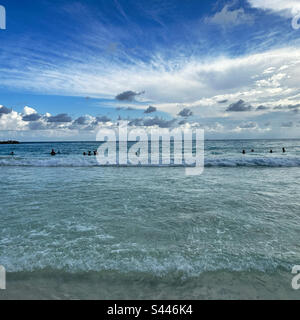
column 71, row 228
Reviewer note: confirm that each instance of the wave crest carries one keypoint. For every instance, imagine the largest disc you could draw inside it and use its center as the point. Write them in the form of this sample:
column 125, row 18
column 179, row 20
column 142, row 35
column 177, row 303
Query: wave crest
column 209, row 162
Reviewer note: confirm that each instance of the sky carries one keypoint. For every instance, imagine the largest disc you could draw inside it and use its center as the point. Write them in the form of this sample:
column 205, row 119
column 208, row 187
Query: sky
column 68, row 68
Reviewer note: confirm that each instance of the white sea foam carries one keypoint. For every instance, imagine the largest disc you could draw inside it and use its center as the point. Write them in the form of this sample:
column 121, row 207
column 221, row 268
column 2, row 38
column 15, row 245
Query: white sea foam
column 254, row 162
column 209, row 162
column 125, row 261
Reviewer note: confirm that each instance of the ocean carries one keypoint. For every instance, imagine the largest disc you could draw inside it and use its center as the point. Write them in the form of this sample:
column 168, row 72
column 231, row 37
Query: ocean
column 72, row 229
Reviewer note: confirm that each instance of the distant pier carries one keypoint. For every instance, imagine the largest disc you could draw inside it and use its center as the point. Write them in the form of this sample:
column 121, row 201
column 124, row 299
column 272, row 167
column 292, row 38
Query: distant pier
column 10, row 142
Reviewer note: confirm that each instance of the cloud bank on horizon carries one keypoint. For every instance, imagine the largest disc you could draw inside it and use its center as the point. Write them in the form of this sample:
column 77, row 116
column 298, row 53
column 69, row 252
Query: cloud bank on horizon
column 231, row 68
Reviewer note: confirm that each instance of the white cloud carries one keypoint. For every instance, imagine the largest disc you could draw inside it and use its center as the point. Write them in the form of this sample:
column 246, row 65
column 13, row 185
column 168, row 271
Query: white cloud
column 256, row 78
column 229, row 18
column 28, row 111
column 287, row 8
column 270, row 78
column 14, row 127
column 12, row 121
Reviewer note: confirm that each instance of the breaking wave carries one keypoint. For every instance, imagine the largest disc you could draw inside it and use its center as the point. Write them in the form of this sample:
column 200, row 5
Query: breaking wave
column 209, row 162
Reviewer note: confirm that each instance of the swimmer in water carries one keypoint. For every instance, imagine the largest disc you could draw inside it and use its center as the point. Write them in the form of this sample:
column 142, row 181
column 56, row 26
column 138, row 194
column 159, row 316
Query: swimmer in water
column 244, row 152
column 53, row 153
column 283, row 150
column 12, row 153
column 90, row 153
column 95, row 152
column 252, row 150
column 271, row 151
column 84, row 153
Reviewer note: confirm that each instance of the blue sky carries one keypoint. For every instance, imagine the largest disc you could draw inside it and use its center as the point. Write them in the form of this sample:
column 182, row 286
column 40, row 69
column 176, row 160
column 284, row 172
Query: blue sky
column 230, row 67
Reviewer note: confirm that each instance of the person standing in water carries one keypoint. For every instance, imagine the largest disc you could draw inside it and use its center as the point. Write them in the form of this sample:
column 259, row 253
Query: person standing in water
column 53, row 153
column 244, row 152
column 283, row 150
column 271, row 151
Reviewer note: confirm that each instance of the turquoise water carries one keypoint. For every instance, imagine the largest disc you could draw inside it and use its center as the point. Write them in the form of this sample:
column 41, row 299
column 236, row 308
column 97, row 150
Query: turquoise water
column 73, row 229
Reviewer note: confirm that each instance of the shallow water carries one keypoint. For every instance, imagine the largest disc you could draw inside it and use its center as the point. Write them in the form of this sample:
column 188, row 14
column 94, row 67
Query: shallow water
column 73, row 229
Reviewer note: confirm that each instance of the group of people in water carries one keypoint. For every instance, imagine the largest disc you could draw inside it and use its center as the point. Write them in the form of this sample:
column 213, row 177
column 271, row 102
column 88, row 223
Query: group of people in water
column 95, row 153
column 271, row 151
column 90, row 153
